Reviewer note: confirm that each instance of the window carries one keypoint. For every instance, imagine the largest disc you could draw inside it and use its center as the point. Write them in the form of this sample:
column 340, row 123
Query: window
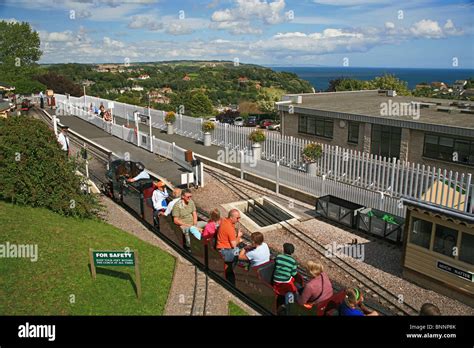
column 386, row 141
column 467, row 248
column 320, row 126
column 445, row 240
column 420, row 233
column 449, row 149
column 353, row 133
column 302, row 124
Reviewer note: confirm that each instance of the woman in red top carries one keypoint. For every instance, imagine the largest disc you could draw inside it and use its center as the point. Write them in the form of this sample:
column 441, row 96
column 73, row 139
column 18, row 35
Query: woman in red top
column 318, row 289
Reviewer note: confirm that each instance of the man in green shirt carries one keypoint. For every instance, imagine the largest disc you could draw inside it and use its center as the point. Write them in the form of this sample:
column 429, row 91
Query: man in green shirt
column 185, row 216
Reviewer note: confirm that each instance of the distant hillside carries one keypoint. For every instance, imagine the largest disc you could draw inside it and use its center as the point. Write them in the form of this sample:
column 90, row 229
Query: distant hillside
column 171, row 83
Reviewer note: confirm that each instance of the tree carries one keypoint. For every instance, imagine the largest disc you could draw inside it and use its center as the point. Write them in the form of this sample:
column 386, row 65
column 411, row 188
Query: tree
column 19, row 51
column 60, row 84
column 199, row 105
column 26, row 86
column 35, row 172
column 391, row 82
column 267, row 99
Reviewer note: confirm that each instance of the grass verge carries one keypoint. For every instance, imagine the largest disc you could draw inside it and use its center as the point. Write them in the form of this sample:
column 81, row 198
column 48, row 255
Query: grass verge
column 60, row 282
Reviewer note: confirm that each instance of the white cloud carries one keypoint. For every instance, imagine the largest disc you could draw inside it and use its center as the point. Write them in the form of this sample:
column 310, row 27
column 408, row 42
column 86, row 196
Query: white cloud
column 349, row 2
column 110, row 43
column 426, row 28
column 184, row 26
column 94, row 10
column 450, row 29
column 238, row 19
column 10, row 20
column 147, row 21
column 64, row 36
column 389, row 25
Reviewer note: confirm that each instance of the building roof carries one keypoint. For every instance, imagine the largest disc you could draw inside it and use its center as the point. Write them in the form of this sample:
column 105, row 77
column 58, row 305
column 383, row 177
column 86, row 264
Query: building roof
column 366, row 106
column 4, row 106
column 6, row 86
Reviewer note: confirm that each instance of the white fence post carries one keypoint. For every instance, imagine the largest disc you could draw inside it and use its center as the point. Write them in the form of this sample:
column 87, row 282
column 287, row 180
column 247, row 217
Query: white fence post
column 242, row 159
column 172, row 151
column 55, row 125
column 277, row 176
column 201, row 172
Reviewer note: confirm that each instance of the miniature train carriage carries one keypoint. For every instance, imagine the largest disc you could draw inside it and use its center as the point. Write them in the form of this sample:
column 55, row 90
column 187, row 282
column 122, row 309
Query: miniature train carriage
column 439, row 250
column 130, row 193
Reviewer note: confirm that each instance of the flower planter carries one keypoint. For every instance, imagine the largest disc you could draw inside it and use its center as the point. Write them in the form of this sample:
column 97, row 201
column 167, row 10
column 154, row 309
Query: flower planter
column 257, row 151
column 207, row 139
column 170, row 129
column 312, row 168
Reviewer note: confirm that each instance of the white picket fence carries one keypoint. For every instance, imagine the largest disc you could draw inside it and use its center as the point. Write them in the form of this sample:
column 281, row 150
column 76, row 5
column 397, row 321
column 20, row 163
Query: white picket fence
column 160, row 147
column 343, row 171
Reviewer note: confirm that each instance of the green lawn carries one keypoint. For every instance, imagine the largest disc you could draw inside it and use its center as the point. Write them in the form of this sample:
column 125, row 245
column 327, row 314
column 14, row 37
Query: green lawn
column 235, row 310
column 62, row 269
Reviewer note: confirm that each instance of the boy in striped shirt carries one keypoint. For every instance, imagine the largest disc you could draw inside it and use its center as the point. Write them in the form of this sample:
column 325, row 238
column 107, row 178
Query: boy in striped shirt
column 285, row 270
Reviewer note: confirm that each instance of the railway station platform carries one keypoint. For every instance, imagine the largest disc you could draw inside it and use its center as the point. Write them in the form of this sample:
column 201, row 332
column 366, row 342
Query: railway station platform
column 163, row 167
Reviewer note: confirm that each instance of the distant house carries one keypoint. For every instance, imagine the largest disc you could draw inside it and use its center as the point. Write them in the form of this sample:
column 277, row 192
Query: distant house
column 161, row 99
column 459, row 85
column 144, row 77
column 4, row 108
column 87, row 83
column 166, row 90
column 137, row 88
column 243, row 80
column 186, row 78
column 123, row 90
column 112, row 68
column 439, row 86
column 422, row 85
column 469, row 92
column 4, row 88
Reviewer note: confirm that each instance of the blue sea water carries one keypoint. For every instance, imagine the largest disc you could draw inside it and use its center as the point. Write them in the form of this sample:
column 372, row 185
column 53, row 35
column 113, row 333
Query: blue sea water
column 319, row 77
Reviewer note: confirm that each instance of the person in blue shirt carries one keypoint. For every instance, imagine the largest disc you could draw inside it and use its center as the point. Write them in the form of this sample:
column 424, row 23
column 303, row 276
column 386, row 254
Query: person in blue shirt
column 353, row 305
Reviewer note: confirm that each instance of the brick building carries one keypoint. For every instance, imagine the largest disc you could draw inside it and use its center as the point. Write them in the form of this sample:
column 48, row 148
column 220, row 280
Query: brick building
column 428, row 131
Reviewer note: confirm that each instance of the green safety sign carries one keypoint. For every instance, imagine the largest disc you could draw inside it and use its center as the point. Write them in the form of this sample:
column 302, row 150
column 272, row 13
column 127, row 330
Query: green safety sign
column 114, row 258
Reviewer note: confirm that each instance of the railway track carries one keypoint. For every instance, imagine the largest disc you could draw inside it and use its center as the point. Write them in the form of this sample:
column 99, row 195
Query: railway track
column 97, row 174
column 200, row 295
column 384, row 297
column 199, row 302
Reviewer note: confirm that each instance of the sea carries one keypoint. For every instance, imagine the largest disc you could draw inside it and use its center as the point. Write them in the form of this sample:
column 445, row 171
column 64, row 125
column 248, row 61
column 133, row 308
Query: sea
column 319, row 77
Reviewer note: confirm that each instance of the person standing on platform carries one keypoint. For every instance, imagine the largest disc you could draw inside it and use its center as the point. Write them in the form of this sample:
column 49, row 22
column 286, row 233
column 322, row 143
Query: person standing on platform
column 63, row 140
column 41, row 100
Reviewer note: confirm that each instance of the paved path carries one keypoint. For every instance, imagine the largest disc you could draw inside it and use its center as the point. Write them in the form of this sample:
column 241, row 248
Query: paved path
column 159, row 165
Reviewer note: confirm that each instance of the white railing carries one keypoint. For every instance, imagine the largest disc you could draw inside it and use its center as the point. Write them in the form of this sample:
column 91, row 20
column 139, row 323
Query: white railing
column 384, row 177
column 160, row 147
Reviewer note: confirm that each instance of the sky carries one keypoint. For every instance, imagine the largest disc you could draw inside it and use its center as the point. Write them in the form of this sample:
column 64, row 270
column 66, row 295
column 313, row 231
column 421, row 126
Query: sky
column 346, row 33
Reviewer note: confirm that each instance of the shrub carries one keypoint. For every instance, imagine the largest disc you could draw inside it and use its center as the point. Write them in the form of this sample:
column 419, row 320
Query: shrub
column 257, row 136
column 170, row 117
column 208, row 126
column 35, row 172
column 312, row 152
